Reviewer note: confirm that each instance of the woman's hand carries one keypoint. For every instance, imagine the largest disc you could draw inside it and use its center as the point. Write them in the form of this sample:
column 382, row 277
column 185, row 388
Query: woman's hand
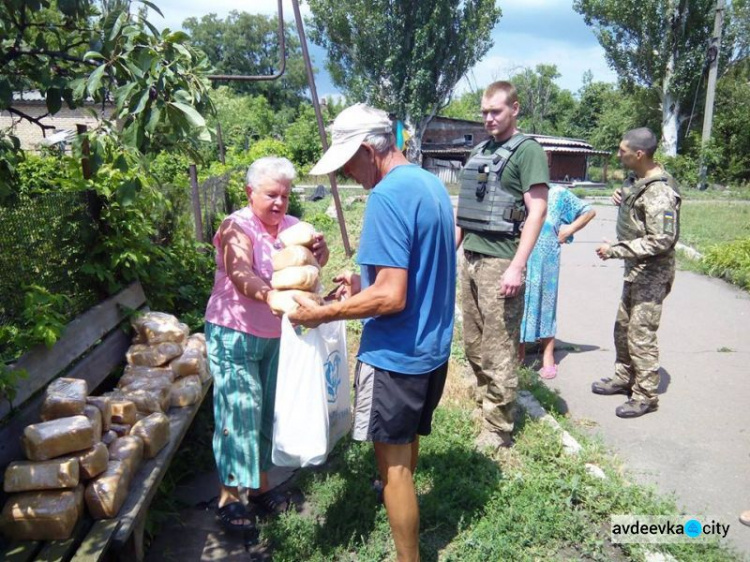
column 564, row 233
column 349, row 284
column 320, row 249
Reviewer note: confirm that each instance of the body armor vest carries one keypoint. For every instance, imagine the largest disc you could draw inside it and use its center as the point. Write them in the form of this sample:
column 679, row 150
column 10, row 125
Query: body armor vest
column 628, row 228
column 483, row 204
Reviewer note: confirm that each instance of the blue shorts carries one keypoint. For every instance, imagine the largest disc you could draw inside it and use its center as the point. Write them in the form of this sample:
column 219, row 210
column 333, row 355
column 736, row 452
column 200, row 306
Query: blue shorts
column 244, row 369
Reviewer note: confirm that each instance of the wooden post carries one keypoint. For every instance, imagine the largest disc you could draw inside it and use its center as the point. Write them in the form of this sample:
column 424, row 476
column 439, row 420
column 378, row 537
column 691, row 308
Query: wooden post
column 220, row 140
column 708, row 114
column 85, row 152
column 196, row 204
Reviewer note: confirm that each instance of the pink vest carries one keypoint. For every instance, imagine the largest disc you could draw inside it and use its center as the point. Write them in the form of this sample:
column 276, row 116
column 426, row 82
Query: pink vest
column 227, row 306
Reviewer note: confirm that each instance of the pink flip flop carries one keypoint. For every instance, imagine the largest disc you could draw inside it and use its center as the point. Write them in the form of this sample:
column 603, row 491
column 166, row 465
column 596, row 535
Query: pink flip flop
column 548, row 372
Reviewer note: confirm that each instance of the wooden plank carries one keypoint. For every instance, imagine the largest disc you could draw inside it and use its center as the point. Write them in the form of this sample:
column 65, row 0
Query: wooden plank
column 94, row 368
column 21, row 551
column 44, row 364
column 147, row 480
column 95, row 544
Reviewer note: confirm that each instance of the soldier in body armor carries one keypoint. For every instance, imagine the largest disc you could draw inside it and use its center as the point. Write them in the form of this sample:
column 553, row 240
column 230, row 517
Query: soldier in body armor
column 501, row 208
column 648, row 227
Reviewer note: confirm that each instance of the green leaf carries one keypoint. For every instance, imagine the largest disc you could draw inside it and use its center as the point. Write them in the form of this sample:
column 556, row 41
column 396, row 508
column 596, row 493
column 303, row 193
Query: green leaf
column 151, row 5
column 121, row 19
column 95, row 80
column 195, row 118
column 153, row 119
column 177, row 36
column 90, row 55
column 142, row 102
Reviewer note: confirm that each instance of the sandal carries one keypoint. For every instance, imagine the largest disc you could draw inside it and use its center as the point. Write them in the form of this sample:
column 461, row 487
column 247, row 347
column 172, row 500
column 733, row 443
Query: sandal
column 229, row 514
column 272, row 502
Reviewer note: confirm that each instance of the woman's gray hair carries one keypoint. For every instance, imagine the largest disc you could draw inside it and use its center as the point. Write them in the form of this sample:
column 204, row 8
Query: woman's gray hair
column 381, row 142
column 270, row 168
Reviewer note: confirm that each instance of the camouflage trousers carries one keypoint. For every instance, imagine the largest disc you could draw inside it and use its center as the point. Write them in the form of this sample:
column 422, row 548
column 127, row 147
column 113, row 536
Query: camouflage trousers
column 636, row 347
column 492, row 331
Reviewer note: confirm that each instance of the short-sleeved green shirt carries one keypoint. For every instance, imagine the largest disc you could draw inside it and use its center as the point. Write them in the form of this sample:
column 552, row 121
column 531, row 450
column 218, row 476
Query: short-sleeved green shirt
column 526, row 167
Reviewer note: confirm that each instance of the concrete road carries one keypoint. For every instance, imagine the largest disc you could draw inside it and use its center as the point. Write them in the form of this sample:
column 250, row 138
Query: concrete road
column 697, row 445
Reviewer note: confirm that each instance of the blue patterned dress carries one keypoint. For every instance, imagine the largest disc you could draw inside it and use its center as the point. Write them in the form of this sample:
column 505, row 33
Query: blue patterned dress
column 543, row 267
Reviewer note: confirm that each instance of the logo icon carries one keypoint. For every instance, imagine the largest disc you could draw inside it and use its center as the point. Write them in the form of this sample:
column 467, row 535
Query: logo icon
column 333, row 377
column 693, row 528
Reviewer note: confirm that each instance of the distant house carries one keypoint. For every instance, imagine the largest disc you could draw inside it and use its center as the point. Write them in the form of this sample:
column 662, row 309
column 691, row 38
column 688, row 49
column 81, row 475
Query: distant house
column 447, row 143
column 32, row 136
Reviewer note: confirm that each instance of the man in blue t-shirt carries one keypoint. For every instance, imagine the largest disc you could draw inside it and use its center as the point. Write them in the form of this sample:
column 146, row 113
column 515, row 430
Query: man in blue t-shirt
column 405, row 293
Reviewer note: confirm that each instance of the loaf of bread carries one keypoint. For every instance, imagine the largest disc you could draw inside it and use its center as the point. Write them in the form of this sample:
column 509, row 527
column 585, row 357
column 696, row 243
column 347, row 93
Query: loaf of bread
column 301, row 234
column 282, row 302
column 95, row 417
column 154, row 430
column 192, row 362
column 129, row 450
column 23, row 476
column 92, row 462
column 154, row 355
column 42, row 515
column 106, row 493
column 196, row 341
column 133, row 372
column 158, row 327
column 47, row 440
column 102, row 403
column 303, row 277
column 186, row 391
column 146, row 401
column 293, row 256
column 123, row 411
column 64, row 397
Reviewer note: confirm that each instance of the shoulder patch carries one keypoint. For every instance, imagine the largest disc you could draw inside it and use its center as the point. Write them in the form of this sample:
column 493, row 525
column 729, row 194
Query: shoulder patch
column 668, row 222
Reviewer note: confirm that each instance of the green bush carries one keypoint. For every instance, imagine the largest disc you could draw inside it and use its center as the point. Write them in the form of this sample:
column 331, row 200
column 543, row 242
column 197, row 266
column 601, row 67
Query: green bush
column 731, row 261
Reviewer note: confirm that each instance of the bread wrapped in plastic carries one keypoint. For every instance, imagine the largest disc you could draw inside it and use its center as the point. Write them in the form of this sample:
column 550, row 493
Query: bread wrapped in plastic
column 121, row 429
column 192, row 362
column 42, row 515
column 109, row 437
column 282, row 302
column 106, row 493
column 95, row 417
column 102, row 403
column 47, row 440
column 158, row 327
column 186, row 391
column 123, row 411
column 133, row 372
column 304, row 278
column 145, row 401
column 154, row 355
column 154, row 430
column 293, row 256
column 64, row 397
column 197, row 341
column 129, row 450
column 302, row 234
column 92, row 462
column 23, row 476
column 158, row 389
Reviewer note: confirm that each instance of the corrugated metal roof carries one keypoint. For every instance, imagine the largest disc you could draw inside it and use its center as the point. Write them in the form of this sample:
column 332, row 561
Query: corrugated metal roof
column 573, row 149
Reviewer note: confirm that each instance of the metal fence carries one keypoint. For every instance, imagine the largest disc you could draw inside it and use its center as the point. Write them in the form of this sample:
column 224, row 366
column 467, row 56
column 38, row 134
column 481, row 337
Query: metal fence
column 44, row 240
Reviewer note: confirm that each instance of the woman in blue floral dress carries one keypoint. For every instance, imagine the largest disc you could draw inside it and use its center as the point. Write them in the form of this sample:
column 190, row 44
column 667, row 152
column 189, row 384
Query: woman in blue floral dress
column 566, row 215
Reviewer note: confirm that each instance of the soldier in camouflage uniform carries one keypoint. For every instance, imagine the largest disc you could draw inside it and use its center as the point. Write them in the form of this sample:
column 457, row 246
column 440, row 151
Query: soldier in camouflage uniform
column 504, row 184
column 647, row 231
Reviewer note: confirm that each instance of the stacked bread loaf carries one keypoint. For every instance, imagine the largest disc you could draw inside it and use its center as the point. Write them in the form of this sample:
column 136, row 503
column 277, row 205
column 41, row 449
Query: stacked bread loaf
column 86, row 449
column 295, row 269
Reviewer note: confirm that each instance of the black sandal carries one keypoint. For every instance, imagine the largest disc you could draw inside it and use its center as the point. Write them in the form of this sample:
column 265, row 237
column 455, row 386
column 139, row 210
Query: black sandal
column 271, row 502
column 229, row 514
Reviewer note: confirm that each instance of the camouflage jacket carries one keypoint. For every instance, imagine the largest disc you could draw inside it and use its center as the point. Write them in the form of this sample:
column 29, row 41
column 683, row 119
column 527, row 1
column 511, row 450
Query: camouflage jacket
column 648, row 227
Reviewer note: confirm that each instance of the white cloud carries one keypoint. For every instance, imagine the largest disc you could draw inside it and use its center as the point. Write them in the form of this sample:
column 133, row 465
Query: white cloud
column 177, row 11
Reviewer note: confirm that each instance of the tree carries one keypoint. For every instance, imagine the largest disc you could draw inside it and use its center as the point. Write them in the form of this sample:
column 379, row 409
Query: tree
column 403, row 56
column 544, row 105
column 248, row 44
column 72, row 53
column 466, row 106
column 658, row 44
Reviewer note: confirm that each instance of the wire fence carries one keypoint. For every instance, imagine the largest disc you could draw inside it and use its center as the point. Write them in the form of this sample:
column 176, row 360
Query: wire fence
column 44, row 241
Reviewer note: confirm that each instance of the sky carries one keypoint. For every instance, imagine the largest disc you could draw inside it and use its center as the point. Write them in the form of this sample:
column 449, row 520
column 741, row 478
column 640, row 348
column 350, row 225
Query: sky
column 530, row 32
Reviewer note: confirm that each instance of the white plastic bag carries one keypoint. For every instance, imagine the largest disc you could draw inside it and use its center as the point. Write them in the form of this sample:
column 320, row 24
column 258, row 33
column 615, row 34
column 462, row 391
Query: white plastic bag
column 312, row 395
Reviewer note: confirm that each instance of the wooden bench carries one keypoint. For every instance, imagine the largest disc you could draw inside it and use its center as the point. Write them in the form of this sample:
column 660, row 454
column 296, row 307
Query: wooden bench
column 92, row 347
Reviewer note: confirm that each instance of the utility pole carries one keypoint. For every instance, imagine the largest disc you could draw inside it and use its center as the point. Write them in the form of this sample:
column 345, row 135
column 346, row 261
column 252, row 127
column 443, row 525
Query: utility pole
column 713, row 70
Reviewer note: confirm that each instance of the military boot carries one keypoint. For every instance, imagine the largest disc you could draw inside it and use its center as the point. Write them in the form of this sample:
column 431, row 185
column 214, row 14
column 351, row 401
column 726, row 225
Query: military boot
column 610, row 386
column 634, row 409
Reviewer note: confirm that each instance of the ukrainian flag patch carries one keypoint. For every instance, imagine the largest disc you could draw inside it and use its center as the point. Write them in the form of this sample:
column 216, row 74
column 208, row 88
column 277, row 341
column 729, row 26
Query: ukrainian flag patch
column 669, row 222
